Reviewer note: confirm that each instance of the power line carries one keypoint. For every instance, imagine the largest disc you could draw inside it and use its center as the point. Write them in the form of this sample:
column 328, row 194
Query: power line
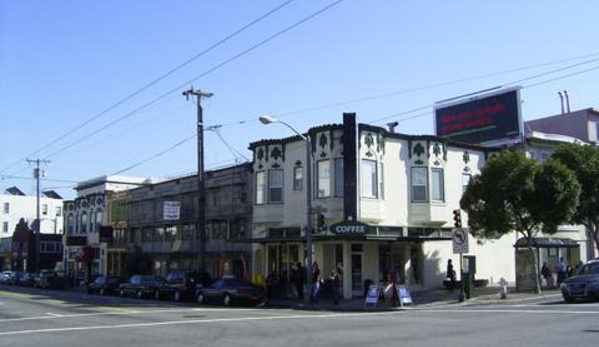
column 233, row 151
column 153, row 82
column 205, row 73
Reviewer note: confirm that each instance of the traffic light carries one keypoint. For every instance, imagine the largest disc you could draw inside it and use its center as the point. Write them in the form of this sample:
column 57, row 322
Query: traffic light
column 320, row 221
column 457, row 218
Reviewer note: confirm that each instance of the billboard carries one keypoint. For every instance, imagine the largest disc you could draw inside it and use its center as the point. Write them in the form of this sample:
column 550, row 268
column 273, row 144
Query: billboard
column 492, row 118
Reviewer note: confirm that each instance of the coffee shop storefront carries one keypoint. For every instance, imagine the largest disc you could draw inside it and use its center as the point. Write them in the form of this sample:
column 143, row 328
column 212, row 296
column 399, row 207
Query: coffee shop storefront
column 362, row 254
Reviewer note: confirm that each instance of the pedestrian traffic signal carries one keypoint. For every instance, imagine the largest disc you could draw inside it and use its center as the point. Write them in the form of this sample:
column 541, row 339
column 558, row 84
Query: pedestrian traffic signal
column 320, row 221
column 457, row 218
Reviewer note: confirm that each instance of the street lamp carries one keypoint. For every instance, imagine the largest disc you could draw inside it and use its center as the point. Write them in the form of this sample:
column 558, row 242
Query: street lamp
column 266, row 119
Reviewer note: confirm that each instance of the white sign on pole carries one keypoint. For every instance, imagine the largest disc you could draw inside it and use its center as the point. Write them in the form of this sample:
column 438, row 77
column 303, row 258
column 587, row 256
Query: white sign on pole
column 459, row 239
column 172, row 210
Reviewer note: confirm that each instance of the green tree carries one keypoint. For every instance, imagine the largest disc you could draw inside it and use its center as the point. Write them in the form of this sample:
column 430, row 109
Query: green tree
column 515, row 193
column 584, row 162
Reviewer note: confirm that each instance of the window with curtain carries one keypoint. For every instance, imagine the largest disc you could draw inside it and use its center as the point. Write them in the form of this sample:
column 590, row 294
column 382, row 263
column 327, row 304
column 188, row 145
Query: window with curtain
column 324, row 179
column 369, row 179
column 419, row 184
column 275, row 186
column 438, row 186
column 298, row 178
column 260, row 188
column 465, row 182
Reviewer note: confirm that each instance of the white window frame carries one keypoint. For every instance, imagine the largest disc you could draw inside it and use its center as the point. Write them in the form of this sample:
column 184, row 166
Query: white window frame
column 298, row 182
column 423, row 183
column 369, row 179
column 323, row 183
column 438, row 196
column 260, row 188
column 5, row 227
column 6, row 208
column 273, row 187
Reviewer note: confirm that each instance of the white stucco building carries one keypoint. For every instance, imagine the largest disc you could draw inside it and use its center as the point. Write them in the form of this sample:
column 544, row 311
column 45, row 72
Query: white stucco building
column 400, row 189
column 16, row 205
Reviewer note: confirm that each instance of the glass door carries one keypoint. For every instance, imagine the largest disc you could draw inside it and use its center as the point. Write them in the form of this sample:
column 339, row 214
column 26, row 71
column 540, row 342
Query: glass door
column 356, row 270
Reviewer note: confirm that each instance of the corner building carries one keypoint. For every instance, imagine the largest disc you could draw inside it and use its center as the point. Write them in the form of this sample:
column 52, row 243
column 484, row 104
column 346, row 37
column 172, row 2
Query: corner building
column 381, row 201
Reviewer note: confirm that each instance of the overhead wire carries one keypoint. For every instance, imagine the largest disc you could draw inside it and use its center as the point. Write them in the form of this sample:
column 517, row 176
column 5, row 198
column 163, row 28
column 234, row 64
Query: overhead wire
column 203, row 74
column 156, row 80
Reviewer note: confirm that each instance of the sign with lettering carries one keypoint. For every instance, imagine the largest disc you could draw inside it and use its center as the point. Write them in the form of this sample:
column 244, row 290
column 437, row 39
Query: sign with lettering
column 404, row 295
column 372, row 296
column 350, row 228
column 481, row 119
column 172, row 210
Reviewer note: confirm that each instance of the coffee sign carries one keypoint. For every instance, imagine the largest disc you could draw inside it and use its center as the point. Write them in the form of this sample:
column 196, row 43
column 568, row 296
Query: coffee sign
column 350, row 228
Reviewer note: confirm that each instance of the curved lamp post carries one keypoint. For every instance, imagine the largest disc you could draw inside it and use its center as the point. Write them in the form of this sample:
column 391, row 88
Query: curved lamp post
column 266, row 119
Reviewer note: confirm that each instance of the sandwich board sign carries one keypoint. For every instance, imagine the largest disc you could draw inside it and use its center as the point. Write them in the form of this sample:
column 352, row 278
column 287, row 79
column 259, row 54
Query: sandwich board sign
column 404, row 295
column 372, row 296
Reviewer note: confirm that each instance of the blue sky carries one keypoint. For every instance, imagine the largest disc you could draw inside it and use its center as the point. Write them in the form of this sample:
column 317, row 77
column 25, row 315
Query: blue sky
column 64, row 62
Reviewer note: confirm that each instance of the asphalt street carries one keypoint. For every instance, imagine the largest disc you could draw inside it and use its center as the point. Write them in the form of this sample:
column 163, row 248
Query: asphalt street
column 51, row 318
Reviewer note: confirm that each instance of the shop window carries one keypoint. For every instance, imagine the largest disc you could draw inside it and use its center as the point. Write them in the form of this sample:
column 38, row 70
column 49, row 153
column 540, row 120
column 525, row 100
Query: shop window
column 339, row 178
column 298, row 178
column 437, row 185
column 369, row 179
column 323, row 168
column 419, row 184
column 275, row 186
column 465, row 181
column 260, row 188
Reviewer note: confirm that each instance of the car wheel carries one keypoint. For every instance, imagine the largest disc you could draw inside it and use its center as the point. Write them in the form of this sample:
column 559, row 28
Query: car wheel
column 568, row 299
column 157, row 295
column 201, row 299
column 139, row 294
column 102, row 291
column 122, row 293
column 177, row 296
column 227, row 300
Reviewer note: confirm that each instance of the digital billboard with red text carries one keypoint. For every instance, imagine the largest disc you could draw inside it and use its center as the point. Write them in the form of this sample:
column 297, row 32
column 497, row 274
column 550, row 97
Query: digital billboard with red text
column 491, row 118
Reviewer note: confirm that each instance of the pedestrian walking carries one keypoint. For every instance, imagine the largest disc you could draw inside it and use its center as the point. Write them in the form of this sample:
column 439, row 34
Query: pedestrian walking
column 562, row 271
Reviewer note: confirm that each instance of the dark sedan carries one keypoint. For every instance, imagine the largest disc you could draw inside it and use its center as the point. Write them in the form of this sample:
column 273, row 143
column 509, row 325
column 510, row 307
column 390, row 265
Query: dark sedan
column 228, row 291
column 584, row 285
column 140, row 286
column 104, row 285
column 181, row 285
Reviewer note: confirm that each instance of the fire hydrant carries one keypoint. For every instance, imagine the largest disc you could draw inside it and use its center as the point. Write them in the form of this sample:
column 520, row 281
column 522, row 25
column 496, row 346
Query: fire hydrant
column 503, row 288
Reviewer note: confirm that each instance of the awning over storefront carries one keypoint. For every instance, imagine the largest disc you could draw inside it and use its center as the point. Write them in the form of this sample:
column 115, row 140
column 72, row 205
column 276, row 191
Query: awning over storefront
column 325, row 238
column 547, row 242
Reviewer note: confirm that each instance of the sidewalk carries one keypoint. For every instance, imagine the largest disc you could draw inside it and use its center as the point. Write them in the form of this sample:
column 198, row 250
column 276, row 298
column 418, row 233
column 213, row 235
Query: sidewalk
column 430, row 298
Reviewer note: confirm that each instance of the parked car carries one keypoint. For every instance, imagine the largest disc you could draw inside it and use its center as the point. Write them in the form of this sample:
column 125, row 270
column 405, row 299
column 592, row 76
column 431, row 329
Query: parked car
column 7, row 277
column 229, row 290
column 26, row 279
column 49, row 279
column 140, row 286
column 180, row 285
column 104, row 285
column 584, row 285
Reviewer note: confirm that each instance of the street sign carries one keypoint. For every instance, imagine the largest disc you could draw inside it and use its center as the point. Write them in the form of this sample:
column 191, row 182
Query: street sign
column 459, row 239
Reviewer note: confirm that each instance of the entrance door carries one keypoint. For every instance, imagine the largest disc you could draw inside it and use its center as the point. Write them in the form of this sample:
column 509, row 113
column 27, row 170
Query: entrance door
column 356, row 271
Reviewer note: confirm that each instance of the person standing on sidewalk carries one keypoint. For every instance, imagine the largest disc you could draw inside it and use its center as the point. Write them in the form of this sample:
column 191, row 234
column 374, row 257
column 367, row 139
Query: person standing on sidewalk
column 335, row 281
column 315, row 288
column 562, row 271
column 547, row 275
column 300, row 280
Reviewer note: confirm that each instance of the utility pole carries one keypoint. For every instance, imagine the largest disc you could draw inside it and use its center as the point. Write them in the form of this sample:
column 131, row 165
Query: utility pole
column 199, row 94
column 37, row 174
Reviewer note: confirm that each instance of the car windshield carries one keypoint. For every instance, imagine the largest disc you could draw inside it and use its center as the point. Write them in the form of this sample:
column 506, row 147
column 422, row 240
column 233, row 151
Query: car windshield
column 590, row 269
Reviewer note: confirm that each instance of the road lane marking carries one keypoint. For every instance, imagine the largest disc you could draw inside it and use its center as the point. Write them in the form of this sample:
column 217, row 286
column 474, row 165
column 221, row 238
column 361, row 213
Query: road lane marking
column 120, row 312
column 53, row 314
column 540, row 311
column 194, row 321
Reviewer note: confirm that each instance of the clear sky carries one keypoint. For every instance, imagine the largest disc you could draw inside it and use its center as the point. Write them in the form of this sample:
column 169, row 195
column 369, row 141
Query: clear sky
column 64, row 63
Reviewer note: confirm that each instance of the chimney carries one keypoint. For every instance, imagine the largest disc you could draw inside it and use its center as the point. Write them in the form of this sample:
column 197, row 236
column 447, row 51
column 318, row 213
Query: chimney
column 567, row 101
column 561, row 99
column 392, row 126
